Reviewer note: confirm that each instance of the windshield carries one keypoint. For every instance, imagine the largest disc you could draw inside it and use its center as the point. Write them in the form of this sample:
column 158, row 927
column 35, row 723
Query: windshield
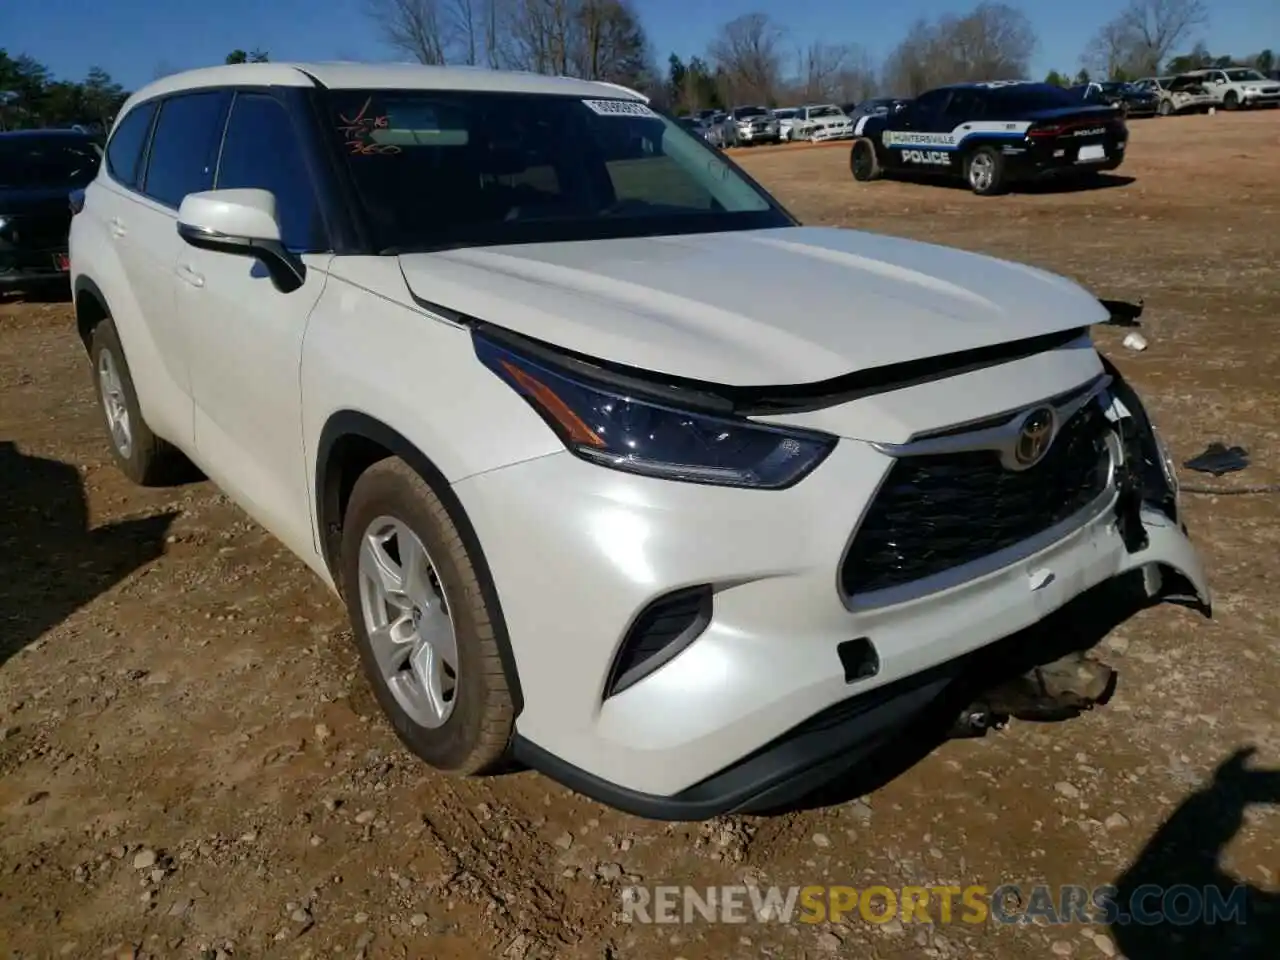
column 743, row 112
column 442, row 168
column 28, row 161
column 823, row 112
column 1238, row 75
column 787, row 114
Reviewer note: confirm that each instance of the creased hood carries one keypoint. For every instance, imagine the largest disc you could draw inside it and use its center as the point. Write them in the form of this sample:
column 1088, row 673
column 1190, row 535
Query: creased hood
column 769, row 307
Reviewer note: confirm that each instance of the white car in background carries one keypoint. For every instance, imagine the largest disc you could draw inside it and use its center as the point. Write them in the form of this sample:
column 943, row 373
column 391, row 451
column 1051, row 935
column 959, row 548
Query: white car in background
column 480, row 384
column 1178, row 94
column 1233, row 88
column 786, row 117
column 823, row 121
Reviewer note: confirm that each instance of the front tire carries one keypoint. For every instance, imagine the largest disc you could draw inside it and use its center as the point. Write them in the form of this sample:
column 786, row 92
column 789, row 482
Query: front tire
column 984, row 171
column 140, row 455
column 1165, row 109
column 424, row 630
column 1231, row 101
column 863, row 162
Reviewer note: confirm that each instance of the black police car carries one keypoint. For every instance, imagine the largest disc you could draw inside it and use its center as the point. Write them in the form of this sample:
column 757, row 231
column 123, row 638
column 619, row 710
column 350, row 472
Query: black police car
column 1133, row 101
column 991, row 134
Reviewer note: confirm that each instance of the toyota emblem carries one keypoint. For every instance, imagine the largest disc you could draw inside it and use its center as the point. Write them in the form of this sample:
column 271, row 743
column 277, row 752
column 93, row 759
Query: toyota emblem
column 1034, row 437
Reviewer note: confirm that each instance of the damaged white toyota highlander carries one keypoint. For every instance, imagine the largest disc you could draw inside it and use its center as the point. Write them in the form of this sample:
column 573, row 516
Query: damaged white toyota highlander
column 515, row 365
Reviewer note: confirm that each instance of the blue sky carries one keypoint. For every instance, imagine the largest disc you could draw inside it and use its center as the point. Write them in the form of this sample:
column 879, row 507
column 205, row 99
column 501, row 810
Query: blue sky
column 133, row 38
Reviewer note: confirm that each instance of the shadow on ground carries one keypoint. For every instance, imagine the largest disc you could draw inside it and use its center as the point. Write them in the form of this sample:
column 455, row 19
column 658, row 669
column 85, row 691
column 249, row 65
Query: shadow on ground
column 48, row 292
column 1175, row 901
column 51, row 563
column 1045, row 186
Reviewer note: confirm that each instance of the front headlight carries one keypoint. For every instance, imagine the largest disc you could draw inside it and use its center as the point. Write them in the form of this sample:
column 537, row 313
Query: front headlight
column 1166, row 462
column 604, row 426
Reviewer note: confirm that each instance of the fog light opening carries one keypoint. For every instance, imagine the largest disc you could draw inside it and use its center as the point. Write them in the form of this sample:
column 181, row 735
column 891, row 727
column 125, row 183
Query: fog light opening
column 859, row 659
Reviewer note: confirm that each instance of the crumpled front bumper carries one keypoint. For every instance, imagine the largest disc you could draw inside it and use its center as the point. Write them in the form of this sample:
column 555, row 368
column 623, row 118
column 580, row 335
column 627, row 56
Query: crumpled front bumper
column 761, row 705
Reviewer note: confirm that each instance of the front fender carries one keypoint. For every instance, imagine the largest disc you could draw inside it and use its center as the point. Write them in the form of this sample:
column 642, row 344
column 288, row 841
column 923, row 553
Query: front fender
column 414, row 373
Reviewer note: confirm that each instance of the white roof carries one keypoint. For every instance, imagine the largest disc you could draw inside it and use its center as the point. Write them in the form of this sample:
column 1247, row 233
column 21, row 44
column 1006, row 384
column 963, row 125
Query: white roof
column 351, row 75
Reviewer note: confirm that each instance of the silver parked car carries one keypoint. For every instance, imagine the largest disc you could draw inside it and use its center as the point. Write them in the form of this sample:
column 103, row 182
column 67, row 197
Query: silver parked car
column 756, row 125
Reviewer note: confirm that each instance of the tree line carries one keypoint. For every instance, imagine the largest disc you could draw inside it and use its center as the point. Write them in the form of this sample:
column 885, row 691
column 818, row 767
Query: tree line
column 30, row 96
column 752, row 59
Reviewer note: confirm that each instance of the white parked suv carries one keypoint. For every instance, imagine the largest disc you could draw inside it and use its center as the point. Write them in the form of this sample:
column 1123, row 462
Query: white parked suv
column 448, row 335
column 1234, row 88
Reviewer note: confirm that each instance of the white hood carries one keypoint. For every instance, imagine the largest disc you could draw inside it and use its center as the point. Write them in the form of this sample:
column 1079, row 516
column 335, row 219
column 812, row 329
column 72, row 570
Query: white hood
column 768, row 307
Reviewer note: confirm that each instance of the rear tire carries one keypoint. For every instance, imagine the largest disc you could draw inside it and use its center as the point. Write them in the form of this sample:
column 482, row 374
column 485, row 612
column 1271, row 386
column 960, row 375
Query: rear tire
column 863, row 162
column 457, row 717
column 984, row 171
column 141, row 456
column 1165, row 109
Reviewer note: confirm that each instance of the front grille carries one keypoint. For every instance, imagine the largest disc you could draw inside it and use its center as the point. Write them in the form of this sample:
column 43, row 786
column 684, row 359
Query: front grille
column 939, row 511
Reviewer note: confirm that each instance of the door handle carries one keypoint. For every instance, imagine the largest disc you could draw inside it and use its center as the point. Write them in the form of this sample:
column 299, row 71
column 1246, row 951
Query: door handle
column 190, row 276
column 117, row 227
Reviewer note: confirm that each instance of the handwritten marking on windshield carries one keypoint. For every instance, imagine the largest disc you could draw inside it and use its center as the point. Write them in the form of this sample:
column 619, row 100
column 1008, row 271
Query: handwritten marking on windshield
column 358, row 132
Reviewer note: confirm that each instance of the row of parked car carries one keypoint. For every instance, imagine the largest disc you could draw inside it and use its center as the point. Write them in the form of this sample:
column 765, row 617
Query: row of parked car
column 1233, row 88
column 814, row 122
column 1195, row 91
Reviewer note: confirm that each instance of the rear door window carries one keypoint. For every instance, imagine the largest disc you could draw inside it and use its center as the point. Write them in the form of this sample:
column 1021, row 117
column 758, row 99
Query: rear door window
column 128, row 142
column 184, row 147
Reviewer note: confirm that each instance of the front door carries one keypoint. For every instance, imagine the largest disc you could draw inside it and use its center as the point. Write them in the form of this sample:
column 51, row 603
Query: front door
column 246, row 335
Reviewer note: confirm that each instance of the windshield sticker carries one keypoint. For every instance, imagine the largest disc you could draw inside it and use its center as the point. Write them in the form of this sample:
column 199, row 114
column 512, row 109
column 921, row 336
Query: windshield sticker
column 621, row 108
column 358, row 132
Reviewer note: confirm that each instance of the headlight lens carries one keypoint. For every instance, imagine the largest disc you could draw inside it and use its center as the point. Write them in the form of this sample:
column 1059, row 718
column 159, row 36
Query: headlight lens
column 606, row 427
column 1166, row 461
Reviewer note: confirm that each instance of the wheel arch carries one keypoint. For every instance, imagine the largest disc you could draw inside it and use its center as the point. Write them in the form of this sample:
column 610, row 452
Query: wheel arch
column 350, row 442
column 90, row 305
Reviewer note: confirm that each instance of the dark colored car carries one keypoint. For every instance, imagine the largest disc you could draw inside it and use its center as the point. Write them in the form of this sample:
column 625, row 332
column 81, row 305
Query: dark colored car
column 39, row 169
column 875, row 107
column 990, row 134
column 1133, row 101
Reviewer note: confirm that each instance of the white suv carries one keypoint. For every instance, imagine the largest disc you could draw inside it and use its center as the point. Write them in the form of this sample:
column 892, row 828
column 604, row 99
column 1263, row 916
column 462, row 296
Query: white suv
column 448, row 335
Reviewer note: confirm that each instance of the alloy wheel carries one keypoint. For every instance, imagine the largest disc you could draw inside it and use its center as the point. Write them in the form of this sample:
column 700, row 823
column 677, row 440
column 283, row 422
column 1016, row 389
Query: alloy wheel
column 114, row 405
column 407, row 619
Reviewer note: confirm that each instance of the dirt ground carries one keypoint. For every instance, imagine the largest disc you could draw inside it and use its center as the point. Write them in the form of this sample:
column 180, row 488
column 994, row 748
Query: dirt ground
column 191, row 766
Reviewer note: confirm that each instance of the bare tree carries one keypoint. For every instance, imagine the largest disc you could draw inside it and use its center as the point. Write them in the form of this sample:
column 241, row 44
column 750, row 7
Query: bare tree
column 1143, row 35
column 856, row 79
column 748, row 52
column 993, row 41
column 820, row 64
column 463, row 29
column 538, row 35
column 1110, row 52
column 609, row 43
column 413, row 27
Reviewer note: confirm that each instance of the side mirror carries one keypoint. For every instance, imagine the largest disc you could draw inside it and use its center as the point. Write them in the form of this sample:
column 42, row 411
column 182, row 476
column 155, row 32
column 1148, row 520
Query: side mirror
column 243, row 223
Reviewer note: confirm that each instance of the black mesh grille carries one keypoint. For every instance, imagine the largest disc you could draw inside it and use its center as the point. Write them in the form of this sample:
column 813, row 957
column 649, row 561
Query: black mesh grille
column 940, row 511
column 678, row 616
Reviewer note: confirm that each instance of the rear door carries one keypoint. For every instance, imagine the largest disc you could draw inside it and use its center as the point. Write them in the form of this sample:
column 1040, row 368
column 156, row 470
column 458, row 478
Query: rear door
column 918, row 137
column 181, row 160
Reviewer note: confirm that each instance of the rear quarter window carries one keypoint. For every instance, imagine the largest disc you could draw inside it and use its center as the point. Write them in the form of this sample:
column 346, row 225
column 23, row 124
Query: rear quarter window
column 127, row 143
